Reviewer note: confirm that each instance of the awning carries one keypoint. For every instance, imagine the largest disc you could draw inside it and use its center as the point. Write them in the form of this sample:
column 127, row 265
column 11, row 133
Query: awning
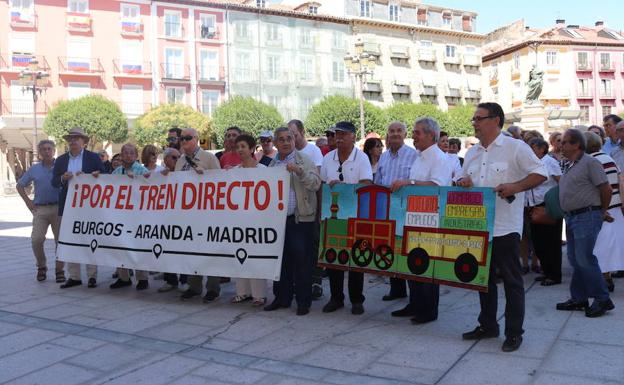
column 429, row 81
column 399, row 52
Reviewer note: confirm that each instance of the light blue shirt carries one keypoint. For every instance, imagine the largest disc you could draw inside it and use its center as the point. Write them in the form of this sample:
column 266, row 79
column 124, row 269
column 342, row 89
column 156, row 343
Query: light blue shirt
column 75, row 162
column 392, row 167
column 609, row 146
column 292, row 196
column 136, row 168
column 41, row 175
column 618, row 156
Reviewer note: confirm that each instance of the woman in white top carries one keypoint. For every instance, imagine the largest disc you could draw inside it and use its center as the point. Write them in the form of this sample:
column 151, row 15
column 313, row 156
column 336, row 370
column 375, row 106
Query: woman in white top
column 249, row 289
column 546, row 239
column 609, row 248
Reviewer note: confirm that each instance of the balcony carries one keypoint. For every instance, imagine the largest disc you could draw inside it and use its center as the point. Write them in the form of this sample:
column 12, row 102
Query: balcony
column 453, row 92
column 208, row 33
column 585, row 93
column 16, row 62
column 429, row 90
column 426, row 55
column 244, row 75
column 173, row 30
column 606, row 67
column 16, row 107
column 175, row 72
column 372, row 48
column 130, row 69
column 452, row 60
column 131, row 27
column 607, row 94
column 471, row 60
column 80, row 66
column 401, row 88
column 472, row 94
column 21, row 18
column 134, row 109
column 275, row 76
column 584, row 66
column 399, row 52
column 372, row 86
column 78, row 22
column 211, row 75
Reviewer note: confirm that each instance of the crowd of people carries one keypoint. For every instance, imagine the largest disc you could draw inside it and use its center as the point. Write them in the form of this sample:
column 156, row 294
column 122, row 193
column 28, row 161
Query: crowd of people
column 574, row 176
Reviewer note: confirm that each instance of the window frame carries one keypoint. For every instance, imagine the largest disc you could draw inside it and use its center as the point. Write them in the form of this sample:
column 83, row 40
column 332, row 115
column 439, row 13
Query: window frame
column 78, row 2
column 171, row 13
column 175, row 89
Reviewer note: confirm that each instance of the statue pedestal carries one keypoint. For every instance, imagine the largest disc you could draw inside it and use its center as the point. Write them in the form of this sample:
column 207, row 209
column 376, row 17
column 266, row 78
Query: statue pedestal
column 534, row 117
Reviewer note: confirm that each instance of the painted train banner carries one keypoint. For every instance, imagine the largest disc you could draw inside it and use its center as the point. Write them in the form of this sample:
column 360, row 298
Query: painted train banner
column 430, row 234
column 221, row 223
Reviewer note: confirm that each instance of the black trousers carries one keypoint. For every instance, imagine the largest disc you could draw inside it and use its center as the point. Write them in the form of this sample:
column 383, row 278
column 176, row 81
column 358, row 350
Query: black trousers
column 298, row 261
column 336, row 285
column 505, row 258
column 547, row 246
column 424, row 299
column 398, row 287
column 172, row 278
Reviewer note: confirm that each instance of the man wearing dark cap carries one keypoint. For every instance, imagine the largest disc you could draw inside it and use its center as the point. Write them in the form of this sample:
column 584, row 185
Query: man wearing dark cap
column 76, row 161
column 345, row 164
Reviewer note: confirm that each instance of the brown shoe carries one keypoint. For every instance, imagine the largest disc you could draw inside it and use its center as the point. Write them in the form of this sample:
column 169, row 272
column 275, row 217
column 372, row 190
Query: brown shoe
column 41, row 274
column 60, row 276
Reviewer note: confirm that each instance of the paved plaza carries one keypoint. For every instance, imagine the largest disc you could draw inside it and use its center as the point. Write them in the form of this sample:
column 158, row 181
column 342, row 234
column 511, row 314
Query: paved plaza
column 96, row 336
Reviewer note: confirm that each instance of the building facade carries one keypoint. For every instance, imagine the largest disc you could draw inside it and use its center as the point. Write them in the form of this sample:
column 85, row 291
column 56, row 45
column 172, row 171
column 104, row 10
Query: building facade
column 583, row 71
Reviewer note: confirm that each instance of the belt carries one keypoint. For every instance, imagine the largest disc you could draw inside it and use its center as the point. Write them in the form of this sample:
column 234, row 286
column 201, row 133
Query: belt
column 583, row 210
column 46, row 204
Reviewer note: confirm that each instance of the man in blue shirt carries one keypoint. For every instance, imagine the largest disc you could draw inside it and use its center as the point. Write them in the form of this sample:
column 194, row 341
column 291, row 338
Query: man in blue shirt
column 44, row 207
column 611, row 141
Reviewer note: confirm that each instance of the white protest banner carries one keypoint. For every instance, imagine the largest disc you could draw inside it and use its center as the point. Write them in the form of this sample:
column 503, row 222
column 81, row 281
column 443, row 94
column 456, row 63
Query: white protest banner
column 222, row 223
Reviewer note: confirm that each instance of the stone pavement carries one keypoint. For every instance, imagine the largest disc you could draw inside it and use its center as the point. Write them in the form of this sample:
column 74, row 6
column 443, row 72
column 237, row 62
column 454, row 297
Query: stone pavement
column 96, row 336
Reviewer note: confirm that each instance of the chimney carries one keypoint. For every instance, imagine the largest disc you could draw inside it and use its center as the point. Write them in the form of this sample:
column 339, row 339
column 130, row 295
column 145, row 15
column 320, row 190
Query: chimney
column 527, row 28
column 599, row 23
column 573, row 26
column 560, row 21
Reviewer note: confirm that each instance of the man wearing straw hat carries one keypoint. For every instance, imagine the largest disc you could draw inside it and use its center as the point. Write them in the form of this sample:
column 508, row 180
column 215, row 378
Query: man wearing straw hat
column 76, row 161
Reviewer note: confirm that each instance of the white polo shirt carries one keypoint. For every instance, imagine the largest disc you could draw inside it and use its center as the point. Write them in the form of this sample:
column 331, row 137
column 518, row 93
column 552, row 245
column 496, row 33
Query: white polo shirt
column 354, row 169
column 506, row 160
column 432, row 165
column 314, row 153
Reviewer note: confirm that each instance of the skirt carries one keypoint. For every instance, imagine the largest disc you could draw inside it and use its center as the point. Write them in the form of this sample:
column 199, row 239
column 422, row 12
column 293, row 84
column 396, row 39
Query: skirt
column 609, row 248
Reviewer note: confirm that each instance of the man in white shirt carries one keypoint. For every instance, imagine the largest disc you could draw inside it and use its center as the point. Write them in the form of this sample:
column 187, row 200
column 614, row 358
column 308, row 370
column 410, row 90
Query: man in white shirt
column 301, row 144
column 345, row 164
column 431, row 168
column 511, row 167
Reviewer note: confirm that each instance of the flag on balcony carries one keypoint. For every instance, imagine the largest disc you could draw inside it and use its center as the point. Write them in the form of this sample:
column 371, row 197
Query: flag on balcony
column 131, row 26
column 131, row 68
column 78, row 65
column 18, row 16
column 78, row 20
column 20, row 60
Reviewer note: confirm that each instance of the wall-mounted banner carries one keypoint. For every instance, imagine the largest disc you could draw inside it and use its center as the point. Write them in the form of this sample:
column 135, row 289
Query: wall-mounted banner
column 222, row 223
column 430, row 234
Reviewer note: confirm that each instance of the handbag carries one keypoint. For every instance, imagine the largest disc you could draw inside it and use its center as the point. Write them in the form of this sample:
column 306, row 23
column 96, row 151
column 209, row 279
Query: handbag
column 540, row 215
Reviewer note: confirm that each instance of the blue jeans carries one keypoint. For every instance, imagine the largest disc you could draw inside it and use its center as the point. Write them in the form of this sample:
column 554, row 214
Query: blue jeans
column 587, row 281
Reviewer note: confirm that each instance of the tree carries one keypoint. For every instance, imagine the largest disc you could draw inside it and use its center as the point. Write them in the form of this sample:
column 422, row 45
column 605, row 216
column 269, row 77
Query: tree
column 152, row 126
column 248, row 114
column 99, row 117
column 408, row 113
column 460, row 120
column 333, row 109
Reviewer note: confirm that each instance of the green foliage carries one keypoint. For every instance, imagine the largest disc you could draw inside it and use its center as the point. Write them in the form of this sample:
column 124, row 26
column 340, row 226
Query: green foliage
column 333, row 109
column 152, row 126
column 246, row 113
column 101, row 119
column 460, row 121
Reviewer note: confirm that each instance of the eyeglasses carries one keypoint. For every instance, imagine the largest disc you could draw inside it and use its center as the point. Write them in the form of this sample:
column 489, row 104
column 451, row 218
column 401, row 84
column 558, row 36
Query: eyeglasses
column 480, row 118
column 266, row 140
column 340, row 176
column 172, row 139
column 186, row 138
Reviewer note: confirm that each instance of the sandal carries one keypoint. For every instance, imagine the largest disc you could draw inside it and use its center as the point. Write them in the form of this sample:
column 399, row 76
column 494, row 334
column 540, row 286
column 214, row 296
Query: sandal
column 41, row 274
column 259, row 302
column 240, row 298
column 60, row 276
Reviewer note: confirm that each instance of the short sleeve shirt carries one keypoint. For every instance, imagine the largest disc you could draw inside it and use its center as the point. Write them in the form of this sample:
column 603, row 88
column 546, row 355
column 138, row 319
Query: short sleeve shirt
column 354, row 169
column 395, row 166
column 42, row 177
column 578, row 185
column 432, row 166
column 313, row 152
column 535, row 196
column 506, row 160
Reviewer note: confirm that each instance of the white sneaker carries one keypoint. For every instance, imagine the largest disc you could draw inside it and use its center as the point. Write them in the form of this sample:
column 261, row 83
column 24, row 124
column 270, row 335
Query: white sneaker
column 183, row 287
column 166, row 287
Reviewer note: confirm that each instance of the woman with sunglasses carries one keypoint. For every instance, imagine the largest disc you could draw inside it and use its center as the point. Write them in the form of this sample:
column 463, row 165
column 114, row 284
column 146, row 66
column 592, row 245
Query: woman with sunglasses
column 373, row 147
column 149, row 157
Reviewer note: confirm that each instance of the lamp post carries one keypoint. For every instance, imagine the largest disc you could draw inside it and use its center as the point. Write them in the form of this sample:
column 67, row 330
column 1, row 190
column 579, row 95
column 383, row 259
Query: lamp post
column 360, row 64
column 34, row 81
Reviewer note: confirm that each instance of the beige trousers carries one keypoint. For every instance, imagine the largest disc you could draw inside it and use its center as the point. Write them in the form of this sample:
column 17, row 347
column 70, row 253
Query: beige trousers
column 44, row 217
column 73, row 269
column 254, row 287
column 124, row 274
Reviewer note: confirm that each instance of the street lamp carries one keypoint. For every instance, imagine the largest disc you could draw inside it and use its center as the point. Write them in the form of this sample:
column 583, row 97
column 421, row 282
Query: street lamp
column 34, row 81
column 360, row 64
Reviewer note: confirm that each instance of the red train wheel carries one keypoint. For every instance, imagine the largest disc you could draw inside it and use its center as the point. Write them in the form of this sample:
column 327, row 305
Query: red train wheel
column 361, row 253
column 343, row 257
column 330, row 255
column 418, row 261
column 466, row 267
column 384, row 257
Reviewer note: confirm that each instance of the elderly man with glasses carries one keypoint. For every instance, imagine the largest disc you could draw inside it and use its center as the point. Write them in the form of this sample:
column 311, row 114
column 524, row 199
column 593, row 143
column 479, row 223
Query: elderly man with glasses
column 510, row 167
column 194, row 158
column 345, row 164
column 268, row 152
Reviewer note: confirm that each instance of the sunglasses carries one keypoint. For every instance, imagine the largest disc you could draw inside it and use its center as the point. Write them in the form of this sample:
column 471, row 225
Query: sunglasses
column 330, row 134
column 480, row 118
column 267, row 140
column 340, row 176
column 174, row 157
column 172, row 139
column 186, row 138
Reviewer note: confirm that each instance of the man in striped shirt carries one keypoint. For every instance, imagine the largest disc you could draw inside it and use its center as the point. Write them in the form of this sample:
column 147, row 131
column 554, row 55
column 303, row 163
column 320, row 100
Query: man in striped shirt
column 395, row 164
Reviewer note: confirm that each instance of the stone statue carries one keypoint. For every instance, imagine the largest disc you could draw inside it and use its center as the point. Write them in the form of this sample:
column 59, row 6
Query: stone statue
column 535, row 84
